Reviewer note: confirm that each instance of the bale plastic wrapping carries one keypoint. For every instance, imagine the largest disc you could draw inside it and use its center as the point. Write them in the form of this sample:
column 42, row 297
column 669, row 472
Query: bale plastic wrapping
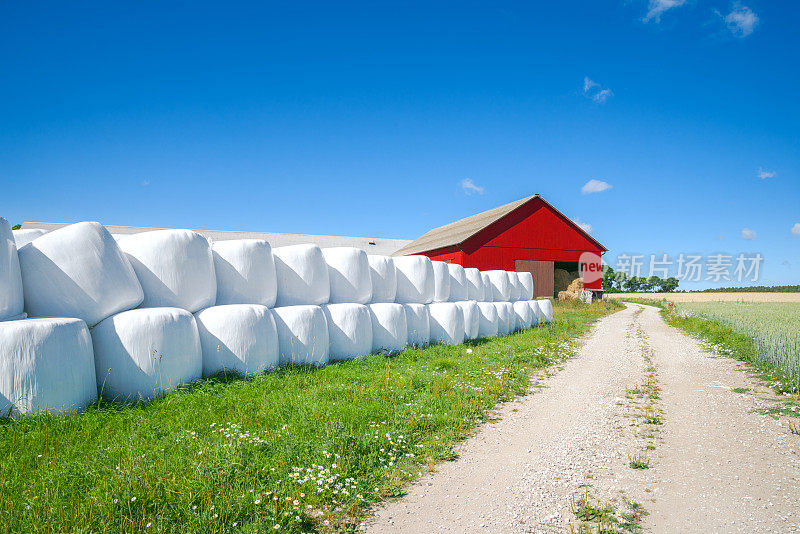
column 389, row 327
column 537, row 317
column 11, row 301
column 349, row 274
column 501, row 290
column 474, row 284
column 447, row 323
column 302, row 275
column 349, row 330
column 24, row 236
column 77, row 271
column 415, row 280
column 418, row 322
column 546, row 306
column 526, row 281
column 441, row 277
column 302, row 334
column 472, row 318
column 45, row 365
column 237, row 338
column 488, row 292
column 384, row 278
column 505, row 318
column 458, row 283
column 522, row 315
column 245, row 271
column 175, row 268
column 515, row 286
column 146, row 353
column 488, row 320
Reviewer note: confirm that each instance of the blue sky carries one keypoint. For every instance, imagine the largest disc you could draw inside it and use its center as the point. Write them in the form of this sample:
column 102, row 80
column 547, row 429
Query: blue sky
column 375, row 118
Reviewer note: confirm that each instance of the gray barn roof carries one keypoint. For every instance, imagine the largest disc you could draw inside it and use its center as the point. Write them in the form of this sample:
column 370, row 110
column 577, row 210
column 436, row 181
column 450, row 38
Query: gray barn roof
column 373, row 245
column 459, row 231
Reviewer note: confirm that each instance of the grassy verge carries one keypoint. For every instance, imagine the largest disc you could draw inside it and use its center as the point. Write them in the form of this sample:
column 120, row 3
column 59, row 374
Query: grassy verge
column 726, row 341
column 293, row 450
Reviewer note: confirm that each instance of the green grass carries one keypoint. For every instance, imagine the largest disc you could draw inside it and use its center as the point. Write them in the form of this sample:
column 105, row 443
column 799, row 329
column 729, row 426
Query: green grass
column 304, row 449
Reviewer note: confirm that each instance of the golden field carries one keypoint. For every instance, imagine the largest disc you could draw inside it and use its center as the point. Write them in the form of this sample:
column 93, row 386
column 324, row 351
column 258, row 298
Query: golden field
column 710, row 297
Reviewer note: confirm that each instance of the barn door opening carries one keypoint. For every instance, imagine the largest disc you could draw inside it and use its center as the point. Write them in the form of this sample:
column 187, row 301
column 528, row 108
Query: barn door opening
column 542, row 272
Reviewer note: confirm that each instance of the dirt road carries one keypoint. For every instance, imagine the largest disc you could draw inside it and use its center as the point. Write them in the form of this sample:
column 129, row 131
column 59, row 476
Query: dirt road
column 637, row 390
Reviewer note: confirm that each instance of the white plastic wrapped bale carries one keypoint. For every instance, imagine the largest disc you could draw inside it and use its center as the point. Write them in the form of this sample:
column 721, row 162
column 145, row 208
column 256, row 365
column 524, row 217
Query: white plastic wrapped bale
column 418, row 322
column 415, row 280
column 77, row 271
column 536, row 313
column 447, row 323
column 11, row 302
column 384, row 278
column 302, row 275
column 488, row 320
column 488, row 293
column 389, row 327
column 546, row 306
column 349, row 274
column 505, row 318
column 522, row 315
column 526, row 281
column 458, row 283
column 302, row 334
column 145, row 353
column 474, row 284
column 441, row 277
column 45, row 365
column 349, row 330
column 237, row 338
column 501, row 290
column 245, row 271
column 175, row 268
column 472, row 319
column 515, row 286
column 23, row 237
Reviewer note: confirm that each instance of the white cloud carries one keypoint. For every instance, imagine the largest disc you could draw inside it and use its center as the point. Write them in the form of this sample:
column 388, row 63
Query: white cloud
column 594, row 186
column 145, row 183
column 796, row 229
column 470, row 188
column 748, row 234
column 586, row 227
column 741, row 21
column 764, row 174
column 593, row 90
column 656, row 8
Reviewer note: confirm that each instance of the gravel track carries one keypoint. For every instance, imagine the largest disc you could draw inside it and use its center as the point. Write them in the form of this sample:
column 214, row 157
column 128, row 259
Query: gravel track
column 716, row 466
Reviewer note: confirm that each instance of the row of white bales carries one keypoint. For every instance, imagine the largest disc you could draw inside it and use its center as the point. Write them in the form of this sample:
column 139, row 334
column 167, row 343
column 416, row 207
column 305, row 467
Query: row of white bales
column 132, row 317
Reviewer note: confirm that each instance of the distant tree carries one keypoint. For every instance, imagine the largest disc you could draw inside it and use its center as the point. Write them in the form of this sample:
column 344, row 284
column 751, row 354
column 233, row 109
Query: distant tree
column 669, row 285
column 633, row 284
column 655, row 283
column 608, row 278
column 16, row 227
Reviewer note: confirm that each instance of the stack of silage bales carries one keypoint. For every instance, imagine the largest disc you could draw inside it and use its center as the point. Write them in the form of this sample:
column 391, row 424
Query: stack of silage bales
column 135, row 317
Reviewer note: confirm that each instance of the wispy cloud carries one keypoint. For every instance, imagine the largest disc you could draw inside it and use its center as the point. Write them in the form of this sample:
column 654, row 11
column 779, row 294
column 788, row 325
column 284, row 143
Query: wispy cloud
column 656, row 8
column 741, row 21
column 748, row 234
column 764, row 174
column 586, row 227
column 595, row 186
column 796, row 229
column 470, row 188
column 593, row 90
column 145, row 183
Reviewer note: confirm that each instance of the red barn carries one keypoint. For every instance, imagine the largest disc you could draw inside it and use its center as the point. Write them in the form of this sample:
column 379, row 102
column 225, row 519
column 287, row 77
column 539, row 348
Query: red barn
column 526, row 235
